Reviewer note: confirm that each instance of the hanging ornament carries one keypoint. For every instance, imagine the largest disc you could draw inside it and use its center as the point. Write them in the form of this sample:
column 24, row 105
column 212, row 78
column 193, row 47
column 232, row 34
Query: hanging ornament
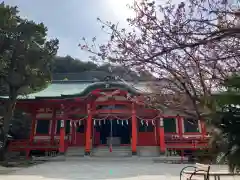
column 122, row 123
column 153, row 122
column 142, row 122
column 127, row 122
column 75, row 123
column 146, row 123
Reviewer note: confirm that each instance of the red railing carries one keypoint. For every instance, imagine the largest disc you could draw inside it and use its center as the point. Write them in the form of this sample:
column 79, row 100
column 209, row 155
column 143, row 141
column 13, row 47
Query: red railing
column 186, row 143
column 17, row 144
column 25, row 145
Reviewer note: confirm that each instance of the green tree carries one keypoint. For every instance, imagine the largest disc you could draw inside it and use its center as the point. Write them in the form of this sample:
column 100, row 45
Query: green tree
column 70, row 65
column 226, row 136
column 25, row 58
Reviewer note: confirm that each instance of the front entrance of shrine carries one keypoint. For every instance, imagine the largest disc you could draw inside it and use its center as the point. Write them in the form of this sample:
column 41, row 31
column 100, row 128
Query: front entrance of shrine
column 114, row 132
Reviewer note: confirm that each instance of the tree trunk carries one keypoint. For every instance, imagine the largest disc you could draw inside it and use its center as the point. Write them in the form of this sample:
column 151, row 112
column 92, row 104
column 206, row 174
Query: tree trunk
column 9, row 110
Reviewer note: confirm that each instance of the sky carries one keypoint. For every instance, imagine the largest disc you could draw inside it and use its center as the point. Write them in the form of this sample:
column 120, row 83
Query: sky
column 71, row 20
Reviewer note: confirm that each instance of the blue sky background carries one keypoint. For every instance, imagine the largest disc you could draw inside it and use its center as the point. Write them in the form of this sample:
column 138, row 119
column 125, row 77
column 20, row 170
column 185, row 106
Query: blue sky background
column 70, row 20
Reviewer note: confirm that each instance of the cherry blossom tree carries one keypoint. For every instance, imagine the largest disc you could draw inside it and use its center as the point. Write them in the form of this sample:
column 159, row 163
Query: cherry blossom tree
column 191, row 47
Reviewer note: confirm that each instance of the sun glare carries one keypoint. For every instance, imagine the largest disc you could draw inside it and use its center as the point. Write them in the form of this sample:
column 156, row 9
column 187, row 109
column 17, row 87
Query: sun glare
column 120, row 8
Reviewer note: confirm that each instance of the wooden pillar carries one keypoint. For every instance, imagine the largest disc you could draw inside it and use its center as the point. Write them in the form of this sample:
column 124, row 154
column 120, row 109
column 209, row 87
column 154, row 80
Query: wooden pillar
column 180, row 126
column 62, row 132
column 88, row 131
column 134, row 130
column 62, row 137
column 53, row 127
column 33, row 128
column 161, row 136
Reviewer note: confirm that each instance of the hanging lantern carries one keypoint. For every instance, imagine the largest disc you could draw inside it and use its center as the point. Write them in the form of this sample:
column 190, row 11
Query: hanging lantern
column 79, row 122
column 127, row 122
column 122, row 122
column 70, row 123
column 75, row 123
column 142, row 122
column 146, row 123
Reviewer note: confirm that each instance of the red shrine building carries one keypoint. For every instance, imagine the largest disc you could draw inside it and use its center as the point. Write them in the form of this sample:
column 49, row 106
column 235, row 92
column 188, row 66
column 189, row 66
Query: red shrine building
column 104, row 117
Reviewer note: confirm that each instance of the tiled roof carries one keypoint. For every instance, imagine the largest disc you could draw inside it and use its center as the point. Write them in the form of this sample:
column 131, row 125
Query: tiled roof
column 57, row 89
column 60, row 89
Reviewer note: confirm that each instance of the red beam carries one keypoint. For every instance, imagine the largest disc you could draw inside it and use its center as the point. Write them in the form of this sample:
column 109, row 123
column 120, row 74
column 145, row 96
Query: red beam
column 141, row 113
column 112, row 111
column 76, row 112
column 49, row 103
column 69, row 108
column 112, row 102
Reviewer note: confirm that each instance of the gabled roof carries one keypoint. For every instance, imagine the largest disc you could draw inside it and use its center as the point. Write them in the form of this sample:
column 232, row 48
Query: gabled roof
column 70, row 89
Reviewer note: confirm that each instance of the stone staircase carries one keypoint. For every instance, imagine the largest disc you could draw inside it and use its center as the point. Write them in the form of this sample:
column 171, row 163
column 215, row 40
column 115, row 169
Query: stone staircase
column 117, row 151
column 148, row 151
column 75, row 151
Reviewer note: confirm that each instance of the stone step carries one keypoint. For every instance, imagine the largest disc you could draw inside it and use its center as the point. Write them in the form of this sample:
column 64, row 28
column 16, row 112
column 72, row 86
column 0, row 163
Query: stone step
column 115, row 152
column 148, row 151
column 75, row 151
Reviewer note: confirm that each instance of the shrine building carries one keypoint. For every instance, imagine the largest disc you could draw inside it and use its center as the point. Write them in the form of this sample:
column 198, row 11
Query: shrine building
column 90, row 117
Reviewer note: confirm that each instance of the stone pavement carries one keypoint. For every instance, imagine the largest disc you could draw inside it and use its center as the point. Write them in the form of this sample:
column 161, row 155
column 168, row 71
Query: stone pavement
column 95, row 169
column 4, row 170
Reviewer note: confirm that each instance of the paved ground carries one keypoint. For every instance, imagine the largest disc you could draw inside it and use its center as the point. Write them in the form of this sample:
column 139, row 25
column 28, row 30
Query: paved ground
column 97, row 169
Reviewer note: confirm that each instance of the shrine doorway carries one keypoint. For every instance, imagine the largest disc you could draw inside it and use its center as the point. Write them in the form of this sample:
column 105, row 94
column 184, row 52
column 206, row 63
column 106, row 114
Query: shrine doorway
column 115, row 132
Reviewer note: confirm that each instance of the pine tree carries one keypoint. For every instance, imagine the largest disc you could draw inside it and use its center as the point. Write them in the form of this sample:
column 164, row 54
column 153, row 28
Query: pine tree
column 226, row 137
